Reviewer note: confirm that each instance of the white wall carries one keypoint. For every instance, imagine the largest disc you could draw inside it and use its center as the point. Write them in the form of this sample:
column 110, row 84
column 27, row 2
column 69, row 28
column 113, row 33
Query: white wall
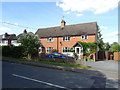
column 68, row 53
column 3, row 42
column 15, row 43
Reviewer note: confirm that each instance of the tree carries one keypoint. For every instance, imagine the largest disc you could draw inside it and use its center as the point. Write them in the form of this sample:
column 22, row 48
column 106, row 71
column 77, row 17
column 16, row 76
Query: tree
column 115, row 47
column 30, row 44
column 100, row 42
column 107, row 46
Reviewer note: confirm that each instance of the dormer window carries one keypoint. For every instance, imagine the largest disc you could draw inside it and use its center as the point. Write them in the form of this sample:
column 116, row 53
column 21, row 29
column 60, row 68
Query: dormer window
column 50, row 39
column 66, row 38
column 84, row 37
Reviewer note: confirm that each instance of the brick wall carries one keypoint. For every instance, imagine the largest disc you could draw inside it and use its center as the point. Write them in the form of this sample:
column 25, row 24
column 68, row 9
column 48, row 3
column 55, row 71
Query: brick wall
column 58, row 42
column 117, row 56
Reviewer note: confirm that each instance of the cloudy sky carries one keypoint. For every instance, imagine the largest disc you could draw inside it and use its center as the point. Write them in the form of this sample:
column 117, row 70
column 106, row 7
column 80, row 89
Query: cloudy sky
column 17, row 16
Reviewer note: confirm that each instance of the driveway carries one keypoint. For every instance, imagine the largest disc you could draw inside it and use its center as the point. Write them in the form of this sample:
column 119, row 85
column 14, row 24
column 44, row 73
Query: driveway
column 110, row 69
column 109, row 65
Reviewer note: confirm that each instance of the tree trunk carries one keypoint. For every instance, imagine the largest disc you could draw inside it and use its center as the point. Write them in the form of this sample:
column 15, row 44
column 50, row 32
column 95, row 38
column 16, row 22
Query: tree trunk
column 29, row 56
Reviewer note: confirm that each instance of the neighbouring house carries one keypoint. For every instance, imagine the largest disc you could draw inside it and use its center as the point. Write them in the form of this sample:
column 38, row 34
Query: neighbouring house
column 65, row 37
column 8, row 39
column 23, row 34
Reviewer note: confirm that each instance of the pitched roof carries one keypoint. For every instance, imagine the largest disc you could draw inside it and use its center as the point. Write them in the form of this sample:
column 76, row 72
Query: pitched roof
column 8, row 37
column 68, row 30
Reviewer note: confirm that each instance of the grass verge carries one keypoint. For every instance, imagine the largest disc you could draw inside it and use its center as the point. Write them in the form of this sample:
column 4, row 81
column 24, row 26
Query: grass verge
column 50, row 62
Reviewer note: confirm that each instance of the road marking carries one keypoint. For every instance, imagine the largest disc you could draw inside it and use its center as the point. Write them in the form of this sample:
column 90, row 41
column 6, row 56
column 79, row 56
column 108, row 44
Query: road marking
column 39, row 81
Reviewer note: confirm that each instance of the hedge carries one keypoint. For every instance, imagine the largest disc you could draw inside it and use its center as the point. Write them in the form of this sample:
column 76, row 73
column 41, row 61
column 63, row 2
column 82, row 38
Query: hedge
column 13, row 51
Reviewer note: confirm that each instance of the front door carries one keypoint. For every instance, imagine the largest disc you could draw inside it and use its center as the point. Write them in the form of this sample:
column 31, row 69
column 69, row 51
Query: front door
column 78, row 51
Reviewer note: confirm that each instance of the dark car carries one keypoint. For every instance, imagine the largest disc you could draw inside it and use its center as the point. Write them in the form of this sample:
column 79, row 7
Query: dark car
column 57, row 55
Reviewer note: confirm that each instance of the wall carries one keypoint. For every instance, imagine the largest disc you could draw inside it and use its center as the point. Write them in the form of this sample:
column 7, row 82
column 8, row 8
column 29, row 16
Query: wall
column 58, row 42
column 117, row 56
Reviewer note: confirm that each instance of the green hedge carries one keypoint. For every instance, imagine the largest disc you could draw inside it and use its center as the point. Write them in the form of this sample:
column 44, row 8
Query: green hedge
column 12, row 51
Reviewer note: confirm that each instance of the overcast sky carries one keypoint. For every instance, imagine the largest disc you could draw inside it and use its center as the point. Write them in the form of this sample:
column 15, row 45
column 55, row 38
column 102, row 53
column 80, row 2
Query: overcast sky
column 17, row 16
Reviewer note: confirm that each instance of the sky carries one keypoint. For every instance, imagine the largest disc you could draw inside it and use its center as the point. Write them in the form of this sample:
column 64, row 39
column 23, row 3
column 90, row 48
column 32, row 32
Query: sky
column 17, row 16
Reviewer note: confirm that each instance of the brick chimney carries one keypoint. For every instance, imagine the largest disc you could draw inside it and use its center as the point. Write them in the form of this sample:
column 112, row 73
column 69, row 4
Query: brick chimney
column 63, row 23
column 25, row 31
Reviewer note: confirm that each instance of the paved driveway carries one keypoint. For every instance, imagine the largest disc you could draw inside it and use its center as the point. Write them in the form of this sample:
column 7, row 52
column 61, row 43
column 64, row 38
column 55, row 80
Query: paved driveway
column 109, row 68
column 104, row 65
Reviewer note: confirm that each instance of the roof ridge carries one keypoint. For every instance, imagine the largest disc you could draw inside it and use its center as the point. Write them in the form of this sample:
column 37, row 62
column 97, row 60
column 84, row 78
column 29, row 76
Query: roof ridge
column 66, row 25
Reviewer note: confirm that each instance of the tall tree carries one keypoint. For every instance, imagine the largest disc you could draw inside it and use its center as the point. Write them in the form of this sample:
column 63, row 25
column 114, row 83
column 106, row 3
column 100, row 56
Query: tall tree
column 107, row 46
column 100, row 40
column 30, row 44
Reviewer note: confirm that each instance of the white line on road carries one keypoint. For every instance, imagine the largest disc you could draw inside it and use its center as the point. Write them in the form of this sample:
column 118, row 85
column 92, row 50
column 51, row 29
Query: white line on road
column 39, row 81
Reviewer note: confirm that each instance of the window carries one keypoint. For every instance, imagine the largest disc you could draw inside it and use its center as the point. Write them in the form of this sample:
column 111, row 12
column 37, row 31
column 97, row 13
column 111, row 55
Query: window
column 66, row 49
column 49, row 49
column 14, row 41
column 84, row 37
column 50, row 39
column 4, row 41
column 66, row 38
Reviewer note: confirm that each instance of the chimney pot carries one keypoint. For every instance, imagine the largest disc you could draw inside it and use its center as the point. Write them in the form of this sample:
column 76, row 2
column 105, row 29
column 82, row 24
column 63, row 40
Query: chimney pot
column 63, row 24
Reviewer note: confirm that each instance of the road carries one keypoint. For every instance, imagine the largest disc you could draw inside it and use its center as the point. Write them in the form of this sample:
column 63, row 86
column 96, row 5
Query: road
column 24, row 76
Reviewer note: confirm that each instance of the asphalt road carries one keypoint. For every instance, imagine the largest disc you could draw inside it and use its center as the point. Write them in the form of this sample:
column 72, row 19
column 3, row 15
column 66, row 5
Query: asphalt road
column 24, row 76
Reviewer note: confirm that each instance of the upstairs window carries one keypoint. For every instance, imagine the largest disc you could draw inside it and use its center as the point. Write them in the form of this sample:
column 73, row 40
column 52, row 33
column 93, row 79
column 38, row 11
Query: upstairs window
column 50, row 39
column 66, row 38
column 84, row 37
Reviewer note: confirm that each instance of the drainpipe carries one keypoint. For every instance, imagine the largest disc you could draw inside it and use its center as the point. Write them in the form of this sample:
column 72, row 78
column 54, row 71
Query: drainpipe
column 57, row 43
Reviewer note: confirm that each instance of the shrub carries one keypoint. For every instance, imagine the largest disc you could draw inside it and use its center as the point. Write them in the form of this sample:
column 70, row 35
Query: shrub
column 12, row 51
column 75, row 56
column 55, row 51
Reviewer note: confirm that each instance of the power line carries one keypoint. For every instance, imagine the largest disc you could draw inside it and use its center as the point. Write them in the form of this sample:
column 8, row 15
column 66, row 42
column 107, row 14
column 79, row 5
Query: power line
column 13, row 24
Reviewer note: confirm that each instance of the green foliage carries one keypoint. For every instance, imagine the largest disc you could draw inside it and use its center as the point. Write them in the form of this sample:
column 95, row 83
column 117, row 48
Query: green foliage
column 88, row 48
column 13, row 51
column 115, row 47
column 75, row 56
column 55, row 51
column 72, row 50
column 31, row 44
column 100, row 42
column 107, row 46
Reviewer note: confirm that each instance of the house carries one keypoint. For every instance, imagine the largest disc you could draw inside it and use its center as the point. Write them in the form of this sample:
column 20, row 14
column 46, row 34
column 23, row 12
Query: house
column 23, row 34
column 8, row 39
column 64, row 37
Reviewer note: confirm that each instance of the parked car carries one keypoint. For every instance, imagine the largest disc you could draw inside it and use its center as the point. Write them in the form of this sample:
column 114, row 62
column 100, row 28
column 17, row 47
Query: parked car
column 57, row 55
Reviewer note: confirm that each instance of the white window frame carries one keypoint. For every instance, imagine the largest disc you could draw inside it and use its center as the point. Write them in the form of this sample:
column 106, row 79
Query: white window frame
column 4, row 41
column 14, row 41
column 48, row 49
column 50, row 39
column 84, row 37
column 66, row 38
column 65, row 49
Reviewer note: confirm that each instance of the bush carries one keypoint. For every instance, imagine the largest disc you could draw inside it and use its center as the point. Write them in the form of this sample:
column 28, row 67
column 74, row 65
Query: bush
column 55, row 51
column 75, row 56
column 12, row 51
